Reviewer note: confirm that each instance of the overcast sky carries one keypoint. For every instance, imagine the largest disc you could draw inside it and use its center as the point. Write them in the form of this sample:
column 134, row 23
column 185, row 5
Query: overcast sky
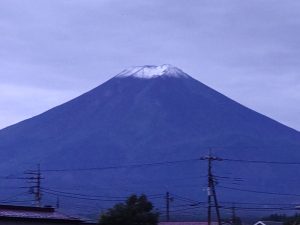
column 54, row 50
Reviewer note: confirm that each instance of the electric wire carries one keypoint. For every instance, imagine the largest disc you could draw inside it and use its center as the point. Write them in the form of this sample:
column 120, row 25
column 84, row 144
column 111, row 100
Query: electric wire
column 121, row 166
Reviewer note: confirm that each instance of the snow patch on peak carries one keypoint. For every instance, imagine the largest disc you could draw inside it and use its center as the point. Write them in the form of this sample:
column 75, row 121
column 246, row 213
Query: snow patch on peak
column 151, row 71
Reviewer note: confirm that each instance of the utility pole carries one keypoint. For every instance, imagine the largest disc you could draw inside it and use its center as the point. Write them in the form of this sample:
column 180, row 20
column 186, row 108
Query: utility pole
column 38, row 195
column 168, row 206
column 35, row 179
column 168, row 200
column 233, row 215
column 211, row 191
column 57, row 202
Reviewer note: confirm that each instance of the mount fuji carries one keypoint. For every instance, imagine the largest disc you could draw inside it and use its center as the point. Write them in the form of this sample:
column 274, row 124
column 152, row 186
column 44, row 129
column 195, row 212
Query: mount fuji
column 151, row 114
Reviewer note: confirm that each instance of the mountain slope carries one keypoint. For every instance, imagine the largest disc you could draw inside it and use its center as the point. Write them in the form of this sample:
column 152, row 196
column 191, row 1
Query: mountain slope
column 149, row 114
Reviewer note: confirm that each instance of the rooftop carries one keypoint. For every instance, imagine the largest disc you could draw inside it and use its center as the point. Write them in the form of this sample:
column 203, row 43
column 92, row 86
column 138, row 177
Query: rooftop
column 33, row 213
column 186, row 223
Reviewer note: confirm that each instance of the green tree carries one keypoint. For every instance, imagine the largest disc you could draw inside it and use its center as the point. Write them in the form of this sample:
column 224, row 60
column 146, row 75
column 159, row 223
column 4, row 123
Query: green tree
column 287, row 220
column 236, row 221
column 135, row 211
column 276, row 217
column 293, row 220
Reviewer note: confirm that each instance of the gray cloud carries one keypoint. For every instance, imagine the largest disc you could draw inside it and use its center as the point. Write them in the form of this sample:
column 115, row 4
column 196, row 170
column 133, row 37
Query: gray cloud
column 58, row 49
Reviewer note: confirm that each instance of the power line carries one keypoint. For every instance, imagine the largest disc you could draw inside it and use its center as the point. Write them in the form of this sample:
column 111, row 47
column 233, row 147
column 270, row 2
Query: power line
column 90, row 197
column 258, row 192
column 260, row 203
column 16, row 201
column 97, row 196
column 121, row 166
column 237, row 208
column 261, row 209
column 185, row 199
column 184, row 205
column 79, row 197
column 14, row 196
column 188, row 209
column 229, row 178
column 78, row 194
column 261, row 161
column 196, row 203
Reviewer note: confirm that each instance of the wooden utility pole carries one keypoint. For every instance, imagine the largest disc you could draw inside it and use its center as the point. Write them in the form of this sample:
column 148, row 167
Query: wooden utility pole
column 168, row 200
column 211, row 191
column 35, row 180
column 57, row 202
column 168, row 206
column 233, row 215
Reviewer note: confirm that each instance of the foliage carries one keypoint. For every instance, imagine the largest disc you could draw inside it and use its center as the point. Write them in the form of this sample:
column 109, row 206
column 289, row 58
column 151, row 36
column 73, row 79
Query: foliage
column 293, row 220
column 287, row 220
column 135, row 211
column 276, row 218
column 236, row 221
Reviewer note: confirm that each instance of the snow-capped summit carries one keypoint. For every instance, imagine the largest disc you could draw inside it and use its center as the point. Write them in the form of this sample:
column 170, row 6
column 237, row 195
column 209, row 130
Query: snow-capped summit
column 151, row 71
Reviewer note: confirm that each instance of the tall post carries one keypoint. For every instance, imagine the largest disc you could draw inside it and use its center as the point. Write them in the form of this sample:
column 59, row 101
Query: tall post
column 168, row 206
column 233, row 215
column 211, row 189
column 57, row 202
column 209, row 192
column 216, row 203
column 35, row 181
column 38, row 195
